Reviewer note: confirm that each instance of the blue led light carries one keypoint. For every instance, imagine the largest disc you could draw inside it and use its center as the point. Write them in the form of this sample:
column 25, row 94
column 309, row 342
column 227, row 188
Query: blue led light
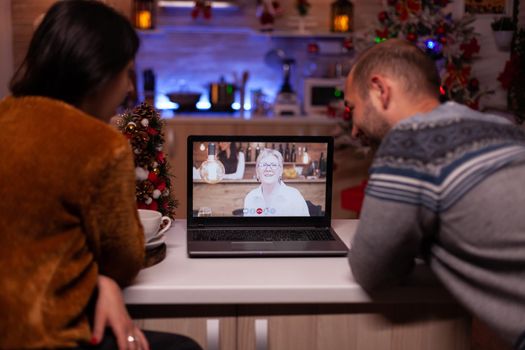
column 431, row 44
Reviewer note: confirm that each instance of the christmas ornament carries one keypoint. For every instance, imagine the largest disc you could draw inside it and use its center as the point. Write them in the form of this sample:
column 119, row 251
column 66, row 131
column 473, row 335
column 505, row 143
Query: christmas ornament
column 130, row 127
column 203, row 6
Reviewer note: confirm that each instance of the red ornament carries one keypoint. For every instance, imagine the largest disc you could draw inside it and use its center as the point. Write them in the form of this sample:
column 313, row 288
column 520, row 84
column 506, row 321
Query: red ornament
column 440, row 30
column 207, row 11
column 474, row 83
column 411, row 37
column 443, row 40
column 195, row 12
column 382, row 34
column 348, row 44
column 470, row 48
column 160, row 157
column 152, row 177
column 382, row 16
column 313, row 48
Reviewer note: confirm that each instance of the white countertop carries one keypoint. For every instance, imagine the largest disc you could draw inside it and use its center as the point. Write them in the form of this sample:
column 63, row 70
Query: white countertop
column 181, row 280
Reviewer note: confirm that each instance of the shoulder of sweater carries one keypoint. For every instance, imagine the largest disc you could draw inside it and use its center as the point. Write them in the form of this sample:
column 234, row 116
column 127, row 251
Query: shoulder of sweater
column 64, row 123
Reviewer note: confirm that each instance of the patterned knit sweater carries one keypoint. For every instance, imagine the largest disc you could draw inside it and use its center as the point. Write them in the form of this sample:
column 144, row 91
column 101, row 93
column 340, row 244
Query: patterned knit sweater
column 448, row 186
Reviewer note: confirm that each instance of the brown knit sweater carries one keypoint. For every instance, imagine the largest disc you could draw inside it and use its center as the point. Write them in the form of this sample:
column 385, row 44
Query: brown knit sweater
column 67, row 212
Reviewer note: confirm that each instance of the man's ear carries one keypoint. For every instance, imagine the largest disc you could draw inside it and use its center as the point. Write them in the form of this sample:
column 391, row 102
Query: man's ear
column 381, row 90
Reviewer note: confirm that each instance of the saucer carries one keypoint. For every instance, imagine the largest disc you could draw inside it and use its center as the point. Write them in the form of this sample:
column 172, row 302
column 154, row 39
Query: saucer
column 155, row 242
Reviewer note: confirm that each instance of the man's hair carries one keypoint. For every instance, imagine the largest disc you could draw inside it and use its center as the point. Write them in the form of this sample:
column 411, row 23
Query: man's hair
column 78, row 47
column 400, row 60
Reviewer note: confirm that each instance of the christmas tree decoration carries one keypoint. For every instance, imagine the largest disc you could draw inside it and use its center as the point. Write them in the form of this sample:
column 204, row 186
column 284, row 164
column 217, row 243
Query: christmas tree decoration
column 267, row 11
column 452, row 44
column 143, row 128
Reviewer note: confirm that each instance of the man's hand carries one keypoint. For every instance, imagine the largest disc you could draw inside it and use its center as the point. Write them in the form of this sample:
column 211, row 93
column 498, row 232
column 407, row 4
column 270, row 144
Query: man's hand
column 111, row 312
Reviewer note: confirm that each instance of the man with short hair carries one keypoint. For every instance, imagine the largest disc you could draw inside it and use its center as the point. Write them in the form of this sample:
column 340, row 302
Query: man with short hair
column 444, row 185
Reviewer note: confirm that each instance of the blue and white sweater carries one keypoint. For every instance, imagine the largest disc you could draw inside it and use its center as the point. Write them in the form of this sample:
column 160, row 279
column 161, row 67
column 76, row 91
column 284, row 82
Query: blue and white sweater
column 450, row 186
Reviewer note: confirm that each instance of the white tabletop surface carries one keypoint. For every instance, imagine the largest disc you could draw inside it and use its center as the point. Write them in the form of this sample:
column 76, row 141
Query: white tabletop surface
column 181, row 280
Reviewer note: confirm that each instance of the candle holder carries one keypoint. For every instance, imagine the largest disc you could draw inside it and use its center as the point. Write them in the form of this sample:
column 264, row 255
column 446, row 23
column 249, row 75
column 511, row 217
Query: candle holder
column 342, row 16
column 144, row 12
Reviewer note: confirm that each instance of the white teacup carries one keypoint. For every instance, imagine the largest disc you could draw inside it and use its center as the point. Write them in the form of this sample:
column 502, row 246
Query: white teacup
column 151, row 220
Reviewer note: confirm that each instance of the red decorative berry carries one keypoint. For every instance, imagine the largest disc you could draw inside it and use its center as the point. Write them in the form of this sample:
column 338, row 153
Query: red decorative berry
column 411, row 37
column 348, row 43
column 440, row 30
column 443, row 40
column 313, row 48
column 382, row 16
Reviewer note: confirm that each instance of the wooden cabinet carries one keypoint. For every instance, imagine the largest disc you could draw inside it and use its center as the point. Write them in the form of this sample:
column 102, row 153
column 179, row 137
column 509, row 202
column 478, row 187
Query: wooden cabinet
column 317, row 327
column 213, row 327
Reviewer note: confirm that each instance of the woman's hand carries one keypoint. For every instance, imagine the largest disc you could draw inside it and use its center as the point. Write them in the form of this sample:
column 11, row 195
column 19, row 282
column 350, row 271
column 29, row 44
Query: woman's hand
column 111, row 311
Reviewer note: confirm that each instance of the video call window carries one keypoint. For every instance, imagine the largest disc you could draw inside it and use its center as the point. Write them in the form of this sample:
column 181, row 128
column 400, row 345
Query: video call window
column 257, row 179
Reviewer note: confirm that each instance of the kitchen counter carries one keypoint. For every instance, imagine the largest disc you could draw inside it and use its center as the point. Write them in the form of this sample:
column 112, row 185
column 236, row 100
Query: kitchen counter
column 181, row 280
column 290, row 303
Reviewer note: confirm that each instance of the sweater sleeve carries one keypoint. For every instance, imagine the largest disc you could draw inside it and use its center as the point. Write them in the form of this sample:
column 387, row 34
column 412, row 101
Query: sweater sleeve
column 385, row 244
column 113, row 224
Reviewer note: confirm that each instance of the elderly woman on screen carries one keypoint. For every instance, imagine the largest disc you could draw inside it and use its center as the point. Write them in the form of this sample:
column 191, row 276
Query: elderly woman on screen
column 272, row 197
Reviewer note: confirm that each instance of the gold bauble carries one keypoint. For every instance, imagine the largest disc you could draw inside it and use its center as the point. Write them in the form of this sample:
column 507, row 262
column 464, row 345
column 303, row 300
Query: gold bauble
column 131, row 127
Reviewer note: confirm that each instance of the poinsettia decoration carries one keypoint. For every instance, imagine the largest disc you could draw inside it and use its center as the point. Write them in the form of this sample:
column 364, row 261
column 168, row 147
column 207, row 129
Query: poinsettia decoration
column 451, row 43
column 143, row 128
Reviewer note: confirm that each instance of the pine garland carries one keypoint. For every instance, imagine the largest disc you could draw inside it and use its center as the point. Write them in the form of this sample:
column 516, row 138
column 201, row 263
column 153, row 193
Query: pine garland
column 143, row 128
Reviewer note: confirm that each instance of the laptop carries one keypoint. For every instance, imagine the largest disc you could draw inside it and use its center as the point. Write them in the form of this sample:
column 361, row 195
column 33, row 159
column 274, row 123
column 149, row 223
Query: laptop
column 260, row 196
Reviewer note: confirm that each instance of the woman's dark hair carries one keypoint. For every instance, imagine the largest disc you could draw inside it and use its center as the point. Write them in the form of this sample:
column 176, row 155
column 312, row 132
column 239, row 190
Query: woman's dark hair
column 78, row 47
column 230, row 164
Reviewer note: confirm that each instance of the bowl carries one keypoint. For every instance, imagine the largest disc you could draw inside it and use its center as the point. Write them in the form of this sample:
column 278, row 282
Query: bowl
column 184, row 98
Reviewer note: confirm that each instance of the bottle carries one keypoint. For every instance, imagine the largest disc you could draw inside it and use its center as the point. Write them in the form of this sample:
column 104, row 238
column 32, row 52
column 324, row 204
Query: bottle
column 322, row 165
column 281, row 149
column 287, row 153
column 149, row 87
column 249, row 153
column 273, row 145
column 257, row 151
column 241, row 148
column 306, row 158
column 293, row 155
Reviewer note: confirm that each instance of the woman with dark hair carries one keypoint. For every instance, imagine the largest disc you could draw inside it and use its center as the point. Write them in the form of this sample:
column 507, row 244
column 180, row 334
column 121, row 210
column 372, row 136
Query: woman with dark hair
column 232, row 160
column 70, row 235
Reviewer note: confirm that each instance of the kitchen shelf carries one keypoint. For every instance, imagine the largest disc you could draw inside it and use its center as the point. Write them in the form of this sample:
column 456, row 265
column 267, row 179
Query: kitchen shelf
column 305, row 34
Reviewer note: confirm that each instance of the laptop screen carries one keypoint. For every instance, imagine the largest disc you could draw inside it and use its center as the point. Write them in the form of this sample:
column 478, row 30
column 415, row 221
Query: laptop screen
column 259, row 177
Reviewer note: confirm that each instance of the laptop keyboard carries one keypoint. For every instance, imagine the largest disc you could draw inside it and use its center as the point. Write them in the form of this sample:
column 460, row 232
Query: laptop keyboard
column 263, row 235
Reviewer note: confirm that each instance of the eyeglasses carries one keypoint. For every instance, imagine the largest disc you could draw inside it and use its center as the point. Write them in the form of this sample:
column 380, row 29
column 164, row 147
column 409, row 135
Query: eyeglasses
column 272, row 166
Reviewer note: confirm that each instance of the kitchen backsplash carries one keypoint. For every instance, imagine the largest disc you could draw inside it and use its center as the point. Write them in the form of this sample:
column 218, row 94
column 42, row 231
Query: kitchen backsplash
column 188, row 55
